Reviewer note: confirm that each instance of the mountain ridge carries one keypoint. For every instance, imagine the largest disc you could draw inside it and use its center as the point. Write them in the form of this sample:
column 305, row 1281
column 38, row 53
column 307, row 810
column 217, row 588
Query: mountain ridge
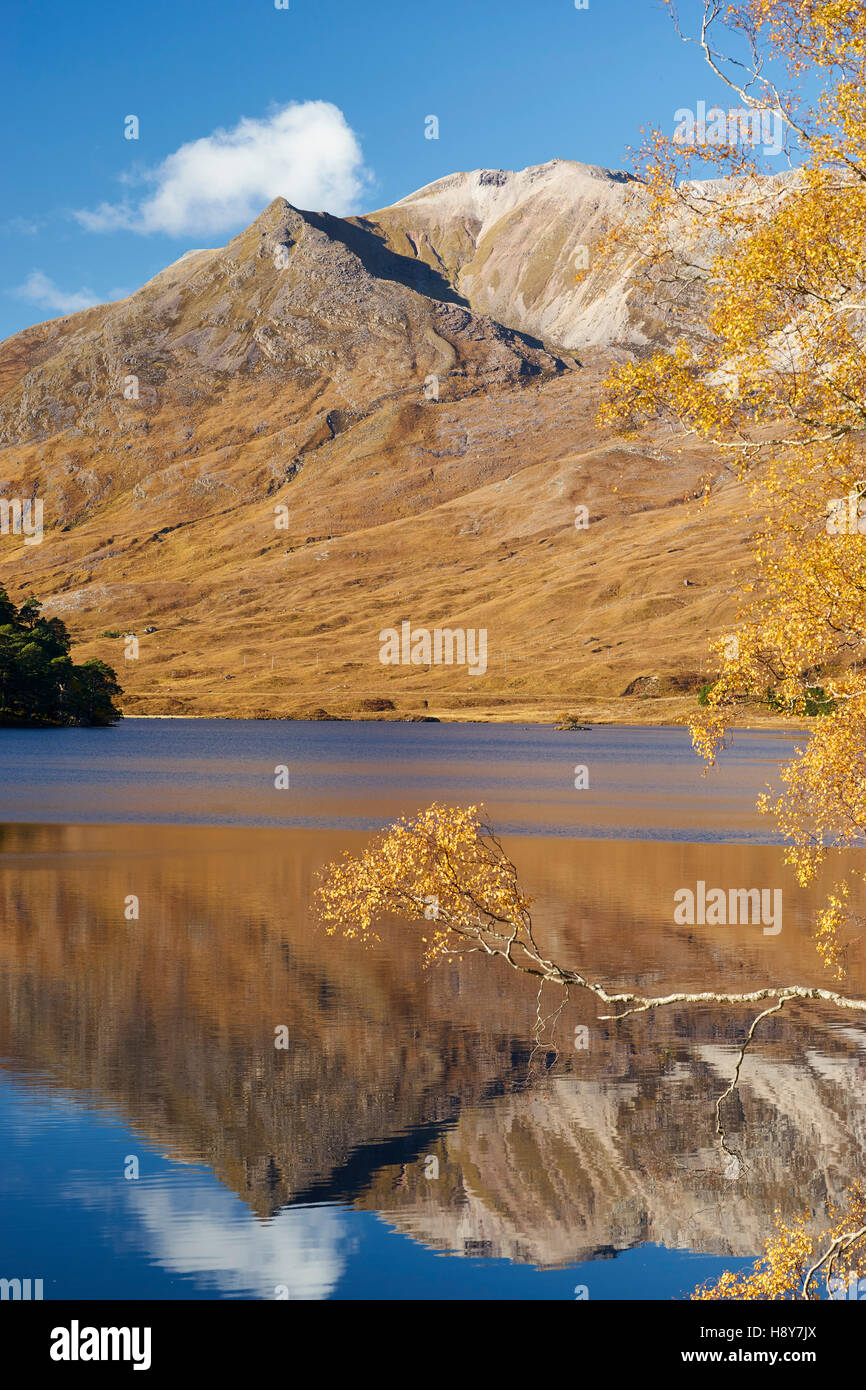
column 276, row 449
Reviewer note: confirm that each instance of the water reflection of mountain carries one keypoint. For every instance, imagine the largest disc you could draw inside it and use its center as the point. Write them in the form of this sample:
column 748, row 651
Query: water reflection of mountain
column 170, row 1019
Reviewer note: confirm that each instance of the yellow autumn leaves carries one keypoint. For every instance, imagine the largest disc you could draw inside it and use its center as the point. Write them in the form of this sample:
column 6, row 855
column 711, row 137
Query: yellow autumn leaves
column 442, row 869
column 771, row 272
column 797, row 1263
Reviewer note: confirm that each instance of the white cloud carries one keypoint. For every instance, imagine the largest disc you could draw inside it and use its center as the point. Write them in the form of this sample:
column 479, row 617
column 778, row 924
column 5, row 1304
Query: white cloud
column 305, row 152
column 41, row 290
column 207, row 1233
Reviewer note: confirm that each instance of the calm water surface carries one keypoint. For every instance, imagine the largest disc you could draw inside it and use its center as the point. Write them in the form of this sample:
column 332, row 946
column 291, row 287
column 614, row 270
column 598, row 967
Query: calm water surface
column 407, row 1143
column 643, row 782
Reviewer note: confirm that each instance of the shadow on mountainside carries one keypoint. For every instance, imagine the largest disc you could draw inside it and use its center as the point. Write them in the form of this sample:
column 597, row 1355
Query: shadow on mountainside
column 379, row 260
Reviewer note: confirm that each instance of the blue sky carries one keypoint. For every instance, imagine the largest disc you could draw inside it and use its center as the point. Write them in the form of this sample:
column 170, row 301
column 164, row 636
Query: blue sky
column 87, row 214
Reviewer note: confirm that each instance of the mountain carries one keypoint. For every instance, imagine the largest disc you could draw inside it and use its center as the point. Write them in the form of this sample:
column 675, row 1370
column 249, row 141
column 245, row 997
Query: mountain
column 513, row 243
column 275, row 451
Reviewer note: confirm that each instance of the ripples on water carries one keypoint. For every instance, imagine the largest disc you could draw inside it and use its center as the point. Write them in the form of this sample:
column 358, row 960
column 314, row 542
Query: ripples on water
column 405, row 1144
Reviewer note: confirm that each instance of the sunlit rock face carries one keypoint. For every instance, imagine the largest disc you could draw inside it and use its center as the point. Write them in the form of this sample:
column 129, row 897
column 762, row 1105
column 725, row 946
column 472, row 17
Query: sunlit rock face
column 523, row 246
column 518, row 242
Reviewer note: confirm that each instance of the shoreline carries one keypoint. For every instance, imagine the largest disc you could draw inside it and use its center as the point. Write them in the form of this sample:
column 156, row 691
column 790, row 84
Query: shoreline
column 771, row 724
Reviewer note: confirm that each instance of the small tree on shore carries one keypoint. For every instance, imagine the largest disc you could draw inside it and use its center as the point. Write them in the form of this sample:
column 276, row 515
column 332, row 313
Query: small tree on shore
column 39, row 682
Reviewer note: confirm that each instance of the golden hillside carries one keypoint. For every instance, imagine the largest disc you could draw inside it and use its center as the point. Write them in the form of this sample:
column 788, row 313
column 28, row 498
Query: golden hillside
column 274, row 451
